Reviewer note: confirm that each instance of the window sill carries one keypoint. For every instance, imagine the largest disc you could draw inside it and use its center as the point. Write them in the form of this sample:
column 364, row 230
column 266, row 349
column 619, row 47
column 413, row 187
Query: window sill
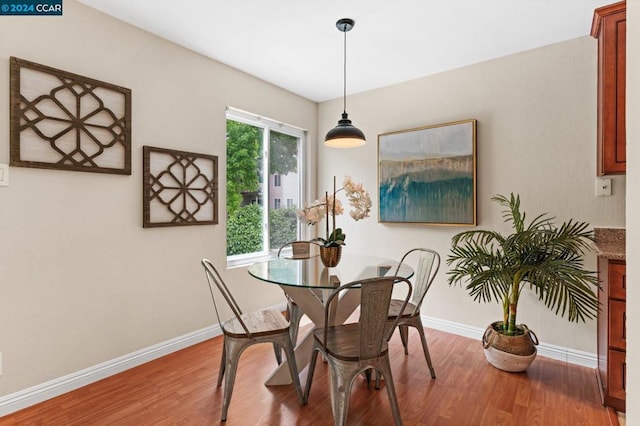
column 244, row 262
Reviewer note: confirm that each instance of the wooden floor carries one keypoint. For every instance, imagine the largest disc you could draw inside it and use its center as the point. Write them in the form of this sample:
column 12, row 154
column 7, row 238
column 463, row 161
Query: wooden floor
column 180, row 389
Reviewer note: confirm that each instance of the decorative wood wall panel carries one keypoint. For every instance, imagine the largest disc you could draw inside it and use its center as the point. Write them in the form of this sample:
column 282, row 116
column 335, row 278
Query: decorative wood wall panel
column 65, row 121
column 179, row 188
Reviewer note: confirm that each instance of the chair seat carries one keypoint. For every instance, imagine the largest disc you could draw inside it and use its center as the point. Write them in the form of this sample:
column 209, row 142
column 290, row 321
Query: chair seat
column 343, row 341
column 396, row 305
column 259, row 323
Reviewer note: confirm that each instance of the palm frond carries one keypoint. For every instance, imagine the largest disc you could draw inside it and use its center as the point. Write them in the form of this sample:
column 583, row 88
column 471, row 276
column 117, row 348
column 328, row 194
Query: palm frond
column 547, row 257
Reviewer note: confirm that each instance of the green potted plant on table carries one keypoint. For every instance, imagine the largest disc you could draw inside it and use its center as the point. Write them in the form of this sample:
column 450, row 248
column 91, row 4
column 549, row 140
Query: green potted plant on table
column 546, row 258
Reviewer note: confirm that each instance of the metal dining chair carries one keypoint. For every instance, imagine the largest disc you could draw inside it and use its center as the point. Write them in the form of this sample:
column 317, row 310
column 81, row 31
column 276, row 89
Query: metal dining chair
column 353, row 348
column 300, row 249
column 409, row 315
column 244, row 330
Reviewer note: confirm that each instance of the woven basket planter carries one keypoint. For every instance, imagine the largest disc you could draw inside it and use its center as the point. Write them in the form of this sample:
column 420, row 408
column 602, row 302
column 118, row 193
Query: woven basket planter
column 509, row 353
column 330, row 256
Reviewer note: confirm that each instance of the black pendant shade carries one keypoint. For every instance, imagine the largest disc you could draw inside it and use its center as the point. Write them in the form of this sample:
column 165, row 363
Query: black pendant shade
column 345, row 134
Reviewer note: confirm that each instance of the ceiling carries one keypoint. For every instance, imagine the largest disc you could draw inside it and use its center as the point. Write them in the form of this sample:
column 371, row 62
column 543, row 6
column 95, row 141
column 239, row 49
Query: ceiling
column 295, row 45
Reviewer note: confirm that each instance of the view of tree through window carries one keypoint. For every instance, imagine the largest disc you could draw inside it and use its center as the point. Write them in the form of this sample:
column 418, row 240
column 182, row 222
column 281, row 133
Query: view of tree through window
column 257, row 221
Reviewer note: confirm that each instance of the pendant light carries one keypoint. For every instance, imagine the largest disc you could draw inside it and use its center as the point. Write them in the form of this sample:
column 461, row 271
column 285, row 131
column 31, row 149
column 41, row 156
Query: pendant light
column 345, row 134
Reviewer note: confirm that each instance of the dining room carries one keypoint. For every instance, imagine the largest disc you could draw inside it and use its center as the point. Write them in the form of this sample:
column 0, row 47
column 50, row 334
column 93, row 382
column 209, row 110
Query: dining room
column 89, row 292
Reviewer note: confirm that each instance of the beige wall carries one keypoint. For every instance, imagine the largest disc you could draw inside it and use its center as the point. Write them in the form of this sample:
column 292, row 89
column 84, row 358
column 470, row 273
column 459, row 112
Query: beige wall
column 633, row 211
column 536, row 115
column 81, row 282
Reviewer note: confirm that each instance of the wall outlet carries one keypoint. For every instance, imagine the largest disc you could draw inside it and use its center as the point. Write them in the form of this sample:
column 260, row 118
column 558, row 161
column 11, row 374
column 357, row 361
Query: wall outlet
column 603, row 187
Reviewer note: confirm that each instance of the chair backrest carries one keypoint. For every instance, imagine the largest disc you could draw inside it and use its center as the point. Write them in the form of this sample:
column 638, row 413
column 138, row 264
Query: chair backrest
column 428, row 266
column 375, row 296
column 214, row 279
column 300, row 249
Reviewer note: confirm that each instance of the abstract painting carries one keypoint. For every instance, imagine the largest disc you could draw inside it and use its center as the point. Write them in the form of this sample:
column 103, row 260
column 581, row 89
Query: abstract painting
column 428, row 174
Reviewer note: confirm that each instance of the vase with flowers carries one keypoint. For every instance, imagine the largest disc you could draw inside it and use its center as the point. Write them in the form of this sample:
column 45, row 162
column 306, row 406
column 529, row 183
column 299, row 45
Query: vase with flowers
column 330, row 206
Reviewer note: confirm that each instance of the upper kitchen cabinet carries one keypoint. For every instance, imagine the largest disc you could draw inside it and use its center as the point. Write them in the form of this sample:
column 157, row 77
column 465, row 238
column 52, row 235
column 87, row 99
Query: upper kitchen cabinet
column 610, row 29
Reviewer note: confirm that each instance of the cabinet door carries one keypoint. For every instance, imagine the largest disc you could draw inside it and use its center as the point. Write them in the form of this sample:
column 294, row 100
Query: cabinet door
column 617, row 378
column 610, row 29
column 617, row 324
column 617, row 280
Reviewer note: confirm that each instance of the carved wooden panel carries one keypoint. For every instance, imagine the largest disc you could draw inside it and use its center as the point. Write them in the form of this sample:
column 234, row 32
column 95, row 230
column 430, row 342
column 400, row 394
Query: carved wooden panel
column 65, row 121
column 179, row 188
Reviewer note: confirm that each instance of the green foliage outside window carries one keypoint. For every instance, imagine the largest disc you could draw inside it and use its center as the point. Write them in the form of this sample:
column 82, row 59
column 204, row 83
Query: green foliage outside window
column 283, row 225
column 244, row 230
column 243, row 160
column 245, row 180
column 283, row 154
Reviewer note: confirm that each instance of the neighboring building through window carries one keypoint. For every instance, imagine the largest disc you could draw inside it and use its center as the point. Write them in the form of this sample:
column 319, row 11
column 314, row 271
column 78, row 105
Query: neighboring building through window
column 264, row 166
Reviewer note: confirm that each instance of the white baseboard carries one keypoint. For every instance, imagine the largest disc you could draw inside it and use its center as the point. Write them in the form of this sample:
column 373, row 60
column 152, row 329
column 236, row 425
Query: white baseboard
column 571, row 356
column 36, row 394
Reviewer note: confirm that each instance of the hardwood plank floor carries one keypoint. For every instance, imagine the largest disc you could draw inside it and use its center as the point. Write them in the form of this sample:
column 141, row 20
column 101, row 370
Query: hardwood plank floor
column 180, row 389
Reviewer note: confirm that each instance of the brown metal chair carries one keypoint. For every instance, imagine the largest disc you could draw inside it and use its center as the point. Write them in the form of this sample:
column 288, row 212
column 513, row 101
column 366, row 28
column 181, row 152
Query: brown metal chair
column 354, row 348
column 299, row 249
column 428, row 265
column 244, row 330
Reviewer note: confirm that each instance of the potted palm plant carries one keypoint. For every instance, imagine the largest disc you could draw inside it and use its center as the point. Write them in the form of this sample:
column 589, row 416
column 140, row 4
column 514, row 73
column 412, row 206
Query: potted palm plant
column 541, row 256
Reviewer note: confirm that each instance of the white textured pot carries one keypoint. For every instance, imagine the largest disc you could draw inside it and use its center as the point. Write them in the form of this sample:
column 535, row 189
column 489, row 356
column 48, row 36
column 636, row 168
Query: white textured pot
column 509, row 353
column 509, row 362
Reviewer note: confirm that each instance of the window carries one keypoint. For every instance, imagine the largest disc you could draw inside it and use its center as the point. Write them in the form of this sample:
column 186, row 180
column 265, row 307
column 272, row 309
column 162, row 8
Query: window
column 265, row 164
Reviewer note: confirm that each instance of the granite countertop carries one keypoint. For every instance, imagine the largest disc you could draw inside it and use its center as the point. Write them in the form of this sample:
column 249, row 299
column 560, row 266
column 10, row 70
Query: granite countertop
column 610, row 243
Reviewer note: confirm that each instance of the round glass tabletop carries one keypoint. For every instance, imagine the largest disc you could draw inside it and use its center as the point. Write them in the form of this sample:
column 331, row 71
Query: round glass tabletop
column 311, row 273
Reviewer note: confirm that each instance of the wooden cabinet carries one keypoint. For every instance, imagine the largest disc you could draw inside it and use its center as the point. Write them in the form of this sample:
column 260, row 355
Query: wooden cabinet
column 612, row 332
column 609, row 27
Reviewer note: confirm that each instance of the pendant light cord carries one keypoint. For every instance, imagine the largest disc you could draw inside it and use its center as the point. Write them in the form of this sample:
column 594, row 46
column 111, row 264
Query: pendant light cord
column 344, row 86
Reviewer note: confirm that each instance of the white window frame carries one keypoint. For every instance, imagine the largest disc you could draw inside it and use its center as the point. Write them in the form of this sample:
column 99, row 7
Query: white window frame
column 267, row 125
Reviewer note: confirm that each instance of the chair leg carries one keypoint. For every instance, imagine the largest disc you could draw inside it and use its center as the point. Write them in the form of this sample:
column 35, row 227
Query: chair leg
column 367, row 376
column 341, row 384
column 294, row 315
column 233, row 351
column 404, row 336
column 294, row 322
column 425, row 349
column 223, row 363
column 312, row 367
column 385, row 368
column 278, row 352
column 293, row 369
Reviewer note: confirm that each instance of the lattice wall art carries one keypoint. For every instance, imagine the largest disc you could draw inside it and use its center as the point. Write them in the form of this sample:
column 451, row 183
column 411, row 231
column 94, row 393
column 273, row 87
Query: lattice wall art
column 65, row 121
column 179, row 188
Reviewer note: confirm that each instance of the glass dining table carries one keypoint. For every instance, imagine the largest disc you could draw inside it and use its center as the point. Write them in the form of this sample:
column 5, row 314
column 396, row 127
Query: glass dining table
column 308, row 283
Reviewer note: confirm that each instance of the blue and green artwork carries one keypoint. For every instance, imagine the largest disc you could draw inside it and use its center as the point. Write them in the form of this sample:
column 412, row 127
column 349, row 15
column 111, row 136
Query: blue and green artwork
column 427, row 175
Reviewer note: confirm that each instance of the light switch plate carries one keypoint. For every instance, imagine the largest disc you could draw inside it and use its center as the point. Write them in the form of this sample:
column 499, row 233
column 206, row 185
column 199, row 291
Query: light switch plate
column 4, row 175
column 603, row 187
